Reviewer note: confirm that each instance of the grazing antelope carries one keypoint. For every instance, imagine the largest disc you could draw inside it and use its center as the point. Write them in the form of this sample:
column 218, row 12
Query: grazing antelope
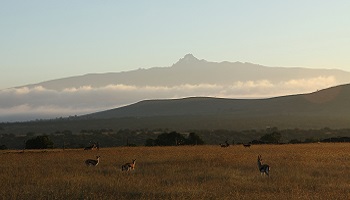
column 91, row 162
column 226, row 144
column 91, row 147
column 129, row 166
column 263, row 168
column 247, row 145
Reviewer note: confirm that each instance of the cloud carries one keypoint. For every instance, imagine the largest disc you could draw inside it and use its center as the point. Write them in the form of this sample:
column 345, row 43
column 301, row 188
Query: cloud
column 40, row 102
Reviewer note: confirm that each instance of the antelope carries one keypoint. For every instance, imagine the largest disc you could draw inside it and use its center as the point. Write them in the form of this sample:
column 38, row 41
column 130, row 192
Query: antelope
column 91, row 162
column 129, row 166
column 91, row 147
column 263, row 168
column 226, row 144
column 247, row 145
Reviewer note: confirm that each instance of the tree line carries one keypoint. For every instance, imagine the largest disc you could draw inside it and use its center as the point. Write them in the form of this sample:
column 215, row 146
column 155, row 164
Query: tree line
column 127, row 137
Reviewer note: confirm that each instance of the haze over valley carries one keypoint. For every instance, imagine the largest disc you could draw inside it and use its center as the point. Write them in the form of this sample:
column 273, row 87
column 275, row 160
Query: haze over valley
column 188, row 77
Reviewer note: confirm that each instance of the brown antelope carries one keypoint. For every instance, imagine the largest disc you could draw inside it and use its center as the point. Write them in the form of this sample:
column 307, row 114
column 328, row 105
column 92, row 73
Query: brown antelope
column 247, row 145
column 226, row 144
column 129, row 166
column 91, row 162
column 263, row 168
column 91, row 147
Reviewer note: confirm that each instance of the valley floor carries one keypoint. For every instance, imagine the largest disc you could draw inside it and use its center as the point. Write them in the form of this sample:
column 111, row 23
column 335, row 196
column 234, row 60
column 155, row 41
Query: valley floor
column 300, row 171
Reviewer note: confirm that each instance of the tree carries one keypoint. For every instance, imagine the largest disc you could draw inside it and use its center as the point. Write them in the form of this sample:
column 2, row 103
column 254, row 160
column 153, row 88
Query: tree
column 194, row 139
column 174, row 139
column 149, row 142
column 311, row 140
column 39, row 142
column 271, row 138
column 30, row 134
column 170, row 139
column 294, row 141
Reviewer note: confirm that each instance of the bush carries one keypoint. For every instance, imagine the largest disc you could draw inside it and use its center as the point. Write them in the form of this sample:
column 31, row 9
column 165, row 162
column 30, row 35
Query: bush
column 194, row 139
column 294, row 141
column 149, row 142
column 311, row 140
column 39, row 142
column 174, row 139
column 170, row 139
column 272, row 138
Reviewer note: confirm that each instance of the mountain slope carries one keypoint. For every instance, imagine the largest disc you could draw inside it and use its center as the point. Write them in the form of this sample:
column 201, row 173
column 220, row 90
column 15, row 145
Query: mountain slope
column 325, row 108
column 328, row 103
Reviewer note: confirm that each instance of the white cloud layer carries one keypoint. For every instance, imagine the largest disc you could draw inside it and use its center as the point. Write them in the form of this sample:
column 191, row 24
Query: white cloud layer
column 38, row 102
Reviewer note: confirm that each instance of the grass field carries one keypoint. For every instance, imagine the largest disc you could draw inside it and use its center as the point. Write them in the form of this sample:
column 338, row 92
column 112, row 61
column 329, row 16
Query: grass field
column 303, row 171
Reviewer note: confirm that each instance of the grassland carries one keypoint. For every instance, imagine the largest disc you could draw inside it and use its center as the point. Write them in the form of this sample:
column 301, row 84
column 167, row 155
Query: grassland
column 303, row 171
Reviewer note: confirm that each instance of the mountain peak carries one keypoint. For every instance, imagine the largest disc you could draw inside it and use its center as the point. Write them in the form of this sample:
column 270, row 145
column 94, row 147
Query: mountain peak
column 188, row 59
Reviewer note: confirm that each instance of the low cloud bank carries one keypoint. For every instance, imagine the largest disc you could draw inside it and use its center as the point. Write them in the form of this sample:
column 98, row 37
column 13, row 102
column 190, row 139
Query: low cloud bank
column 19, row 104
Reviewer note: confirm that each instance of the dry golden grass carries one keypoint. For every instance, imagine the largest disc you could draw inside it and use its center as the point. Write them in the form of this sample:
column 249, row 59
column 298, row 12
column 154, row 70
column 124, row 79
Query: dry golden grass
column 305, row 171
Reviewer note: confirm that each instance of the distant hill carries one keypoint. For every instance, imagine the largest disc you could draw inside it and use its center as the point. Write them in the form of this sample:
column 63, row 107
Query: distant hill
column 333, row 101
column 328, row 107
column 325, row 108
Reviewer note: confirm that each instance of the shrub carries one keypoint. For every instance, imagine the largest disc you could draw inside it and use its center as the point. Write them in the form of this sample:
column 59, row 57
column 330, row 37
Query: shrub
column 170, row 139
column 272, row 138
column 194, row 139
column 39, row 142
column 294, row 141
column 3, row 147
column 174, row 139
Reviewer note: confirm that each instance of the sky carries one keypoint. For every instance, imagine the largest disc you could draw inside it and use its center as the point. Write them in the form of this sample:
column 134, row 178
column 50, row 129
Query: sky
column 45, row 39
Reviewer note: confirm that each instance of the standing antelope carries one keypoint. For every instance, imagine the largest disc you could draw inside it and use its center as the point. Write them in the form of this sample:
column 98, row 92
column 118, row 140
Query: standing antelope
column 263, row 168
column 129, row 166
column 91, row 162
column 226, row 144
column 91, row 147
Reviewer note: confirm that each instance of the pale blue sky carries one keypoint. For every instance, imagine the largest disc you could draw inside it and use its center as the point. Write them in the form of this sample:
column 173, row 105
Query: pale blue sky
column 46, row 39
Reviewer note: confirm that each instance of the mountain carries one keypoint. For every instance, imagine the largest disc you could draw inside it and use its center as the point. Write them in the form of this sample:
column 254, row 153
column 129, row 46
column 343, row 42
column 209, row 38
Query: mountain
column 188, row 77
column 328, row 107
column 190, row 70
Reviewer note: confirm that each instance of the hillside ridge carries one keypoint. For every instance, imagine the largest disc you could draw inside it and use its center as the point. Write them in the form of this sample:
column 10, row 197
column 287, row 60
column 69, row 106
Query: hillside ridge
column 334, row 101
